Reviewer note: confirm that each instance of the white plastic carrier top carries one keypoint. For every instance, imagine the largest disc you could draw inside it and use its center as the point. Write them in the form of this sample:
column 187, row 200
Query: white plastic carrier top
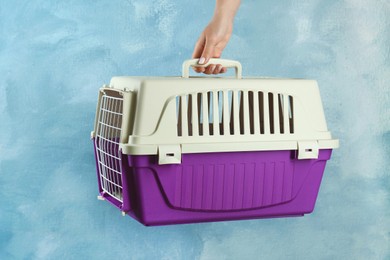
column 168, row 116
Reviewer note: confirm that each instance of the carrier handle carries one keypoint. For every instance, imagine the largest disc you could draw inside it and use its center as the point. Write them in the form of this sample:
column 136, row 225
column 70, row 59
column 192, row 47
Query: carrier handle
column 225, row 63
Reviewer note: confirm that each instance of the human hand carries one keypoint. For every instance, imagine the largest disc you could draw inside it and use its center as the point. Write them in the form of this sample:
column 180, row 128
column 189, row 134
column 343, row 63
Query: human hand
column 215, row 37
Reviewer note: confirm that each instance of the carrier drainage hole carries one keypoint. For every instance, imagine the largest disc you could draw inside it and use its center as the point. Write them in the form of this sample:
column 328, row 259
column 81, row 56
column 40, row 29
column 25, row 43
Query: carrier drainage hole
column 308, row 150
column 170, row 154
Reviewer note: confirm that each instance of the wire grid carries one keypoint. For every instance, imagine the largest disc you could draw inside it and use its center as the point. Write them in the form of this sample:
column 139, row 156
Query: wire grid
column 107, row 145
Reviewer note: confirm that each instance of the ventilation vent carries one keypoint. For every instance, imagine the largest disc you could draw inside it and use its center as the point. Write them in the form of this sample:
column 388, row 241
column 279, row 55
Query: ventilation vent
column 235, row 112
column 107, row 145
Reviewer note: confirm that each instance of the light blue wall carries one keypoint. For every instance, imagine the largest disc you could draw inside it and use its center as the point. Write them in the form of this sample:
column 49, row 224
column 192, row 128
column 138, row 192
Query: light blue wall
column 54, row 55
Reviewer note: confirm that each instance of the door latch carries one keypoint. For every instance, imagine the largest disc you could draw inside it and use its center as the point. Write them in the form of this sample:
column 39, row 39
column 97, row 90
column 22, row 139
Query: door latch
column 307, row 150
column 169, row 154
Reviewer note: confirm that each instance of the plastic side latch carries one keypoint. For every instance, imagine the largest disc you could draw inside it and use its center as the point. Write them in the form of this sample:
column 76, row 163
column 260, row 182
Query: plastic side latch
column 307, row 150
column 169, row 154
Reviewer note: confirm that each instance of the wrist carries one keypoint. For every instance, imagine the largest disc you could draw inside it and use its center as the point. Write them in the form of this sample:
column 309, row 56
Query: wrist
column 226, row 9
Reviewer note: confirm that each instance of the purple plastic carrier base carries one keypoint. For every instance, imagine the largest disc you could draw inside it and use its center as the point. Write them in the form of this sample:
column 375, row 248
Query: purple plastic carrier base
column 219, row 186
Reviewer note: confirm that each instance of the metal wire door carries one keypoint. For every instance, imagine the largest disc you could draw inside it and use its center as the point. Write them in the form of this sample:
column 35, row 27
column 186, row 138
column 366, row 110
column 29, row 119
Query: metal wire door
column 107, row 145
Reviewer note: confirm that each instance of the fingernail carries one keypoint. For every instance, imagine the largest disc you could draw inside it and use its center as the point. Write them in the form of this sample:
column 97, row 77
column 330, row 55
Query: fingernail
column 201, row 60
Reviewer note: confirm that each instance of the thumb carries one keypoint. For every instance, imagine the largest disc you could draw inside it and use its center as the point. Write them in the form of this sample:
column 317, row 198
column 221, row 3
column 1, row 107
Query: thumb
column 207, row 52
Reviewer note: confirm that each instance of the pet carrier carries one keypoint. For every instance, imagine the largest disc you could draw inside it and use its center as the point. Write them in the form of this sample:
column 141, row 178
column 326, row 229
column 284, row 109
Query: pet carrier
column 186, row 149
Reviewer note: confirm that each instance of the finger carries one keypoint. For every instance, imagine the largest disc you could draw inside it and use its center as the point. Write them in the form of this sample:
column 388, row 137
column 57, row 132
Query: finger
column 210, row 69
column 198, row 69
column 217, row 69
column 223, row 70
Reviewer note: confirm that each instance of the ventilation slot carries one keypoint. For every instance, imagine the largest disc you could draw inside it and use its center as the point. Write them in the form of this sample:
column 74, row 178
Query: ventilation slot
column 234, row 112
column 179, row 115
column 189, row 114
column 220, row 113
column 286, row 114
column 260, row 105
column 251, row 111
column 291, row 113
column 281, row 113
column 230, row 112
column 271, row 112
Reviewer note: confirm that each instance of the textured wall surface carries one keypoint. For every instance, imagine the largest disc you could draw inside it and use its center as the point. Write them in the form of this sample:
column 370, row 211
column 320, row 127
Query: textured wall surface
column 54, row 55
